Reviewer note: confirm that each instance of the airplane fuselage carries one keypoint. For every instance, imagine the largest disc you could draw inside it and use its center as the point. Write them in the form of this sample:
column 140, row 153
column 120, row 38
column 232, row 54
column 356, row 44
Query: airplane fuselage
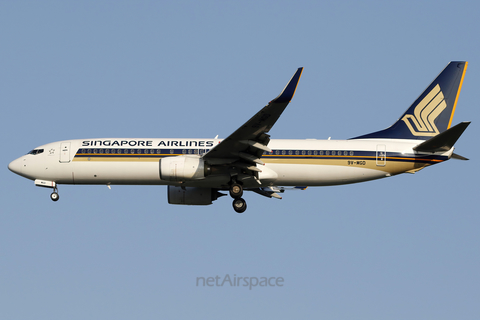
column 290, row 163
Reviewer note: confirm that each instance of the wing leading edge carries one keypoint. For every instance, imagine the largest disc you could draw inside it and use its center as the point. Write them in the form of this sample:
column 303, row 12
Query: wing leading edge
column 247, row 144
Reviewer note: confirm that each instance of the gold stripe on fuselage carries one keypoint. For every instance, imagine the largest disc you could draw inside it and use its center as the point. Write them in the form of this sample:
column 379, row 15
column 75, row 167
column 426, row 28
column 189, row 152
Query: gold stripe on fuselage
column 392, row 165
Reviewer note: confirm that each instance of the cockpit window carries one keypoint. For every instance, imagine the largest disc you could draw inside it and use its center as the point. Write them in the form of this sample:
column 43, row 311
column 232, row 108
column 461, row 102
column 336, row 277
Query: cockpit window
column 36, row 151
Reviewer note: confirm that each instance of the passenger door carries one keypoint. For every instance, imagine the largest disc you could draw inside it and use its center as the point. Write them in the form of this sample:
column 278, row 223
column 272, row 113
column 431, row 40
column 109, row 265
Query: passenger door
column 381, row 158
column 65, row 152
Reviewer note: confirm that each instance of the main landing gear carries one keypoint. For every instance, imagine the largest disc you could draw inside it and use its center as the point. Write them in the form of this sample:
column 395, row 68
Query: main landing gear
column 236, row 192
column 239, row 205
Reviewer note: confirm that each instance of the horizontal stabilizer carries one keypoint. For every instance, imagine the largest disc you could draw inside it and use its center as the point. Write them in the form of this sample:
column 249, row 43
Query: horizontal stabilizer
column 458, row 157
column 443, row 141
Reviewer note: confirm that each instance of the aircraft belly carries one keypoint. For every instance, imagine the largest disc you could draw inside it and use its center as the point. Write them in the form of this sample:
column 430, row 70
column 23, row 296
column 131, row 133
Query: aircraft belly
column 322, row 175
column 281, row 174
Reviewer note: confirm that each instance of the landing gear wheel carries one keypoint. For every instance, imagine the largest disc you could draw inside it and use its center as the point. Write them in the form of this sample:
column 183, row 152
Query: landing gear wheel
column 239, row 205
column 236, row 191
column 54, row 196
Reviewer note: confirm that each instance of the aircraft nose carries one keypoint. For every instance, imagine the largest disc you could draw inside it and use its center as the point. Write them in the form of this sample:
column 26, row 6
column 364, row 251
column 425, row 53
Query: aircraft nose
column 15, row 166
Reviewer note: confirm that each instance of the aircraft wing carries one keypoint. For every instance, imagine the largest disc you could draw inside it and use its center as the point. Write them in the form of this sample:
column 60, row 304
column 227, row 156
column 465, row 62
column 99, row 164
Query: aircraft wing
column 248, row 142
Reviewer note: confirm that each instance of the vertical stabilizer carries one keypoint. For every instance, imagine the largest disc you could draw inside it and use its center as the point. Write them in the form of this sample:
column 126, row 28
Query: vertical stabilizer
column 432, row 112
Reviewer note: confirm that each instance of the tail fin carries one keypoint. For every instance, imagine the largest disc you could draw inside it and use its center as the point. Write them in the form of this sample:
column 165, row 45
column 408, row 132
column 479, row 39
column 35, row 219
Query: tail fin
column 432, row 112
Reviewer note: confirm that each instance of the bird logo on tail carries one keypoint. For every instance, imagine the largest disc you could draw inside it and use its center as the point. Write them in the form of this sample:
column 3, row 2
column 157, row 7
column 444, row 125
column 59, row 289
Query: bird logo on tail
column 425, row 114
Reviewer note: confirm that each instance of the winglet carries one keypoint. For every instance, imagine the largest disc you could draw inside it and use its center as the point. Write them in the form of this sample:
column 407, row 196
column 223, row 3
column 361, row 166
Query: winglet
column 289, row 90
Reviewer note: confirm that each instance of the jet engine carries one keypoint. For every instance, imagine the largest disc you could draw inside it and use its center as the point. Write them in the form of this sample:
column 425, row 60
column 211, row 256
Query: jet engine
column 181, row 168
column 192, row 195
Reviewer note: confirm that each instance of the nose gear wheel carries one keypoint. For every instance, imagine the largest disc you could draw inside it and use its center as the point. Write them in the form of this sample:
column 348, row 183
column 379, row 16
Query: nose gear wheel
column 54, row 196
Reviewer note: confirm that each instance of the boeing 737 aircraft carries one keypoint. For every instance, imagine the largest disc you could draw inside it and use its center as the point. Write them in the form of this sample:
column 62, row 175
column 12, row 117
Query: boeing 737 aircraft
column 197, row 170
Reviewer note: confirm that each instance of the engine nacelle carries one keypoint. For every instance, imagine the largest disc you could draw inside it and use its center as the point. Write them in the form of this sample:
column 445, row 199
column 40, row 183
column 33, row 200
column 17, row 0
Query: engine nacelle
column 192, row 195
column 181, row 168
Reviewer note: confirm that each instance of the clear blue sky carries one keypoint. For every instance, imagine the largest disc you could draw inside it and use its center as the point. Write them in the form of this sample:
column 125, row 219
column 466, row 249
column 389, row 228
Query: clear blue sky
column 406, row 247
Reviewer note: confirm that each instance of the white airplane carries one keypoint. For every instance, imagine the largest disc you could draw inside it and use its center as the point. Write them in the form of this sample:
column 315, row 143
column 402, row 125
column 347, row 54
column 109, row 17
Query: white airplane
column 196, row 170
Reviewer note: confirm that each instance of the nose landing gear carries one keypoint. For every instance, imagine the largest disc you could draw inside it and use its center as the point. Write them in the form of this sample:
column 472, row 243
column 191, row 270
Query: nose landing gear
column 54, row 196
column 49, row 184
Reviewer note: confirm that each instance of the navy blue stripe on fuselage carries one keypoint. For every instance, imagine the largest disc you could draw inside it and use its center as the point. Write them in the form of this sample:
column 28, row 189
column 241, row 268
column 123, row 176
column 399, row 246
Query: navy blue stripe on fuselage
column 275, row 154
